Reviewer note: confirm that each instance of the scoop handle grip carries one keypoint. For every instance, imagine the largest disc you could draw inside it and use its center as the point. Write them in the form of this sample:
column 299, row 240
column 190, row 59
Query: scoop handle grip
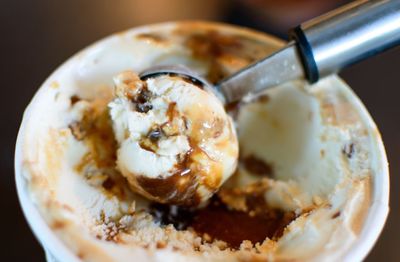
column 347, row 35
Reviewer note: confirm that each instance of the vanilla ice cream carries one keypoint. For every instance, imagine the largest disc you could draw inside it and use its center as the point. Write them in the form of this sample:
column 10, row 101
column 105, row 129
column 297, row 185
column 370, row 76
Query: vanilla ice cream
column 176, row 143
column 310, row 183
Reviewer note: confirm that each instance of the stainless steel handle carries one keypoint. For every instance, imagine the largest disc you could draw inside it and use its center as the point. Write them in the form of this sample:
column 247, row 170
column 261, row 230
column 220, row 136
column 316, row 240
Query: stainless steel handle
column 347, row 35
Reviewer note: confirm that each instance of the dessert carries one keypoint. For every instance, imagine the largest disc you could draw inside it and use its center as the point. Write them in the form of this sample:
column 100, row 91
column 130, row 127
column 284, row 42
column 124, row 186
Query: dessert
column 302, row 190
column 176, row 143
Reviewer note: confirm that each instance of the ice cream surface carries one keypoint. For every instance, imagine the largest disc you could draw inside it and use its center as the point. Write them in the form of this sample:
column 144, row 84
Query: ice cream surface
column 177, row 145
column 307, row 177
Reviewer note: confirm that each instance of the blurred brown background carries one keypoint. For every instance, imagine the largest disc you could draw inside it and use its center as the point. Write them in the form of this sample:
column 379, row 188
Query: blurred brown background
column 36, row 36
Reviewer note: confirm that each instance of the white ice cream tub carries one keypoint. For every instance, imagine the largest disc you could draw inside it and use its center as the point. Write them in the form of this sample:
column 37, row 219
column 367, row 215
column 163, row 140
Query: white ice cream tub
column 375, row 219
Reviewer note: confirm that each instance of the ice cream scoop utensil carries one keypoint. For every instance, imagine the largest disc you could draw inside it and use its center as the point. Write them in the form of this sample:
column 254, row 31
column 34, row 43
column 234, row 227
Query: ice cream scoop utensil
column 319, row 47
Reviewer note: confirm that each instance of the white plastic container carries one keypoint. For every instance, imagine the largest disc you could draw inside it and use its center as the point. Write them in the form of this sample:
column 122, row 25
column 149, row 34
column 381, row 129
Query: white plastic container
column 56, row 250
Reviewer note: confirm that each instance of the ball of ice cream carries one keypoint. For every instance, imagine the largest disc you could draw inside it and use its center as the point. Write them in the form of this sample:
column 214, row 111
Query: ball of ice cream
column 177, row 145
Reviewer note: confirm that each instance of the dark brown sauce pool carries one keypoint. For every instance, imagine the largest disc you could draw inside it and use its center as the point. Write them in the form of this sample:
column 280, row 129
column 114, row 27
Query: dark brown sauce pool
column 221, row 223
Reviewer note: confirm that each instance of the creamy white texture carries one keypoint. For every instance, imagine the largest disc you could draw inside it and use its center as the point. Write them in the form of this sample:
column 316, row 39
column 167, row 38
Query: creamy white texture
column 308, row 144
column 324, row 148
column 131, row 156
